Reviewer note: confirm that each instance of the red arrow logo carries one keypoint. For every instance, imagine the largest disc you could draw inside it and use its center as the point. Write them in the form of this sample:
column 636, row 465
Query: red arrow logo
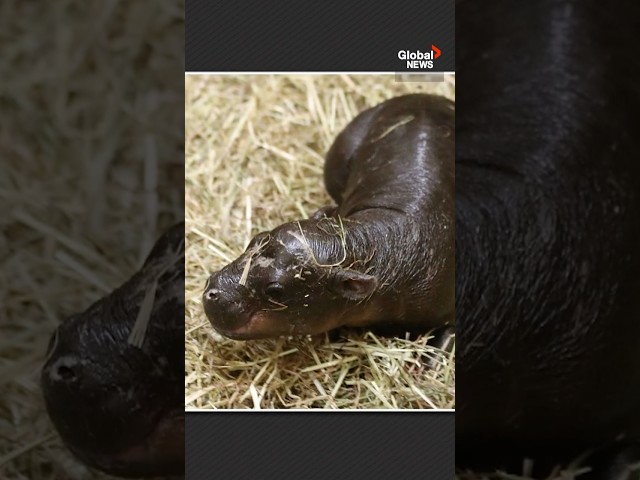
column 436, row 51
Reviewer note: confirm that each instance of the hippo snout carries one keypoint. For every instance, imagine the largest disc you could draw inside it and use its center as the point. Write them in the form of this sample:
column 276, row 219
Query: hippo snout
column 226, row 303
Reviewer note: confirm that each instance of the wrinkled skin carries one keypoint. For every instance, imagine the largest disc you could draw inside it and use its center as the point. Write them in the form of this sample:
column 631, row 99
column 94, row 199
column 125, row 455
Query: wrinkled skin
column 383, row 257
column 547, row 228
column 118, row 406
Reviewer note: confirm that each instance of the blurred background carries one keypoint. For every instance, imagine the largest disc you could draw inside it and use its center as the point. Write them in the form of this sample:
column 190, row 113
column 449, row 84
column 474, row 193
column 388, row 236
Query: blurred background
column 91, row 173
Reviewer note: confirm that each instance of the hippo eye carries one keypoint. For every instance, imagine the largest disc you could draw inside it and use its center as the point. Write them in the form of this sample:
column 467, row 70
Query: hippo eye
column 275, row 291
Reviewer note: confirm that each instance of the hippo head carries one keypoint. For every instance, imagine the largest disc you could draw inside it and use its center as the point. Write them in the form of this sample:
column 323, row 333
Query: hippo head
column 300, row 278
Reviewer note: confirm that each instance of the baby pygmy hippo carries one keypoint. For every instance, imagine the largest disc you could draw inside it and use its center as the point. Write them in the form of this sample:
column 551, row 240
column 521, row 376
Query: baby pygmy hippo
column 383, row 257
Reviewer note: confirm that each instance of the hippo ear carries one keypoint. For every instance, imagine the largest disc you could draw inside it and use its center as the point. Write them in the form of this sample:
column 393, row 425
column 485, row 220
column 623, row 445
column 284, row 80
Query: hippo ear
column 327, row 211
column 353, row 285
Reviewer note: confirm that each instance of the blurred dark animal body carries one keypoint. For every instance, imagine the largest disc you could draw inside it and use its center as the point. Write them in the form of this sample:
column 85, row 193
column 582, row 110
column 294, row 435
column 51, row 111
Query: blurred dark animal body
column 547, row 227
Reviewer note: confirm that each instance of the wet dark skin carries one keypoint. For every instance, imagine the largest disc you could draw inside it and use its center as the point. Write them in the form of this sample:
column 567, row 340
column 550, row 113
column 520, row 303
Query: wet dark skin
column 118, row 405
column 383, row 257
column 547, row 232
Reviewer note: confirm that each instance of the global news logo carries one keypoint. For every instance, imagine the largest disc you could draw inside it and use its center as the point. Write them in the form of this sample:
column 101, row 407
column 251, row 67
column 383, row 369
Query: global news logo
column 419, row 59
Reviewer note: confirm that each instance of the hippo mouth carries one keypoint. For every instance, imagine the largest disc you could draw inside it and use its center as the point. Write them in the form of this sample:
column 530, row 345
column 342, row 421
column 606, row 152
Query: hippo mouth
column 254, row 326
column 262, row 324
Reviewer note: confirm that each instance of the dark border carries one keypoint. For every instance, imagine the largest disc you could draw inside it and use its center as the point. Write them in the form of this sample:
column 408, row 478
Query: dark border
column 409, row 444
column 327, row 36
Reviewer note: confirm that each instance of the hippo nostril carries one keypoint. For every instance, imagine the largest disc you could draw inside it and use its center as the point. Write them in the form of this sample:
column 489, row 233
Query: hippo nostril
column 66, row 373
column 211, row 294
column 64, row 369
